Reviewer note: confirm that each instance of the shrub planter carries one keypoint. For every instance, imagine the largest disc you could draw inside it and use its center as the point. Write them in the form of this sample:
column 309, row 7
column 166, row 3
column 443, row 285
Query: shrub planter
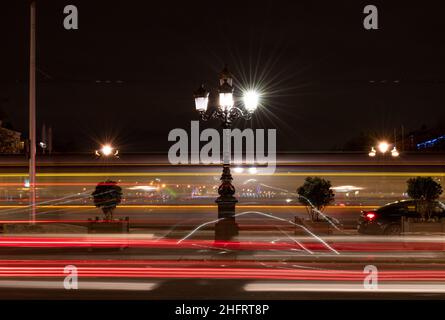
column 317, row 227
column 109, row 226
column 411, row 225
column 22, row 228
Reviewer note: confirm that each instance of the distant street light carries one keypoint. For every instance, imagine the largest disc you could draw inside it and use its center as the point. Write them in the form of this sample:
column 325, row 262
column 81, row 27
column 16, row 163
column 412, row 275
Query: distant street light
column 383, row 148
column 226, row 111
column 394, row 152
column 106, row 151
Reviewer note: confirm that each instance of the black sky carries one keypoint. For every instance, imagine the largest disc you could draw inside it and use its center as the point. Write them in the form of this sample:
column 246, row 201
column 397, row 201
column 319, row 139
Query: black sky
column 315, row 56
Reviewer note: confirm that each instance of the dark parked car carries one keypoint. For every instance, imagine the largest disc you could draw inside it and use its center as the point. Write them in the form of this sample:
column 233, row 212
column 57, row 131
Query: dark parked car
column 387, row 219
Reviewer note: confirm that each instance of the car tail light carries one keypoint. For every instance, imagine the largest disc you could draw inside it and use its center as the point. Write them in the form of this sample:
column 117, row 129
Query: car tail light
column 370, row 215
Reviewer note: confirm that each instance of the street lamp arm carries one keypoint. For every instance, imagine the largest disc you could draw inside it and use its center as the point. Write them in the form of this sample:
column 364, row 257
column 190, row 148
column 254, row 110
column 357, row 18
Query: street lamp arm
column 226, row 116
column 206, row 116
column 236, row 113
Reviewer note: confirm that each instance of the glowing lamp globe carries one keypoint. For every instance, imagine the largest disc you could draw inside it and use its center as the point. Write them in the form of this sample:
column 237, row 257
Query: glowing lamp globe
column 383, row 147
column 251, row 99
column 107, row 150
column 226, row 96
column 201, row 99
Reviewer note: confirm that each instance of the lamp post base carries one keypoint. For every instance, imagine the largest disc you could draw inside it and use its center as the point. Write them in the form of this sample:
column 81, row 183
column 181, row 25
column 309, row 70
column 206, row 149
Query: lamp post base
column 226, row 228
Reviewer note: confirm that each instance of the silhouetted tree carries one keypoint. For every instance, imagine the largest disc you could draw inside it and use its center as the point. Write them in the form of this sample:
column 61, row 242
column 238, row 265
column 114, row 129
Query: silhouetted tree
column 426, row 190
column 315, row 194
column 107, row 196
column 9, row 141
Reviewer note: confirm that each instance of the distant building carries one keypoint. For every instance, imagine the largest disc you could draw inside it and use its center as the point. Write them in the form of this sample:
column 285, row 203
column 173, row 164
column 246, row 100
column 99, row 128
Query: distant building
column 10, row 141
column 437, row 143
column 424, row 139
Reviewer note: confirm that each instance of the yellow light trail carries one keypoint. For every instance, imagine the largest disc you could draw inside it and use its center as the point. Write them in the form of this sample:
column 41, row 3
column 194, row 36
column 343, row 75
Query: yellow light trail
column 287, row 164
column 193, row 206
column 195, row 174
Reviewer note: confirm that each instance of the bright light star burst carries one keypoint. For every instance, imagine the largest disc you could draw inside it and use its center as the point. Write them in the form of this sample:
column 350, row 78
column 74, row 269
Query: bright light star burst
column 251, row 100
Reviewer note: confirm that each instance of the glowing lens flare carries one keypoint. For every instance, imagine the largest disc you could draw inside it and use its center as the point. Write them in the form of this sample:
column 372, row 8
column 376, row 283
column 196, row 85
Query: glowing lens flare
column 251, row 99
column 107, row 150
column 383, row 147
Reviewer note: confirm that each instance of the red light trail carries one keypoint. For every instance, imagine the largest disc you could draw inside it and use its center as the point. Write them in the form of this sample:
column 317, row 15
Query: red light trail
column 113, row 269
column 93, row 241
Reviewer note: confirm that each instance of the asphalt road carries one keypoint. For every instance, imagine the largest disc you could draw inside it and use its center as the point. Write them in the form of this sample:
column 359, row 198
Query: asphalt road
column 274, row 264
column 33, row 267
column 183, row 216
column 184, row 290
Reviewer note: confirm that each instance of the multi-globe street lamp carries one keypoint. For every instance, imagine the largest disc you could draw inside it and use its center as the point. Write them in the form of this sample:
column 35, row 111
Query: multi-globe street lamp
column 227, row 111
column 228, row 108
column 107, row 150
column 383, row 147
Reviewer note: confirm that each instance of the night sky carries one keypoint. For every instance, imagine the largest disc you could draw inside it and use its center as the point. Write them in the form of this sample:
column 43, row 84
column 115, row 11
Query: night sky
column 325, row 78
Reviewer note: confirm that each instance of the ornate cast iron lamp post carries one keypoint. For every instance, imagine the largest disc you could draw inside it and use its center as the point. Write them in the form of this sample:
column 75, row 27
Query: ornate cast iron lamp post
column 227, row 111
